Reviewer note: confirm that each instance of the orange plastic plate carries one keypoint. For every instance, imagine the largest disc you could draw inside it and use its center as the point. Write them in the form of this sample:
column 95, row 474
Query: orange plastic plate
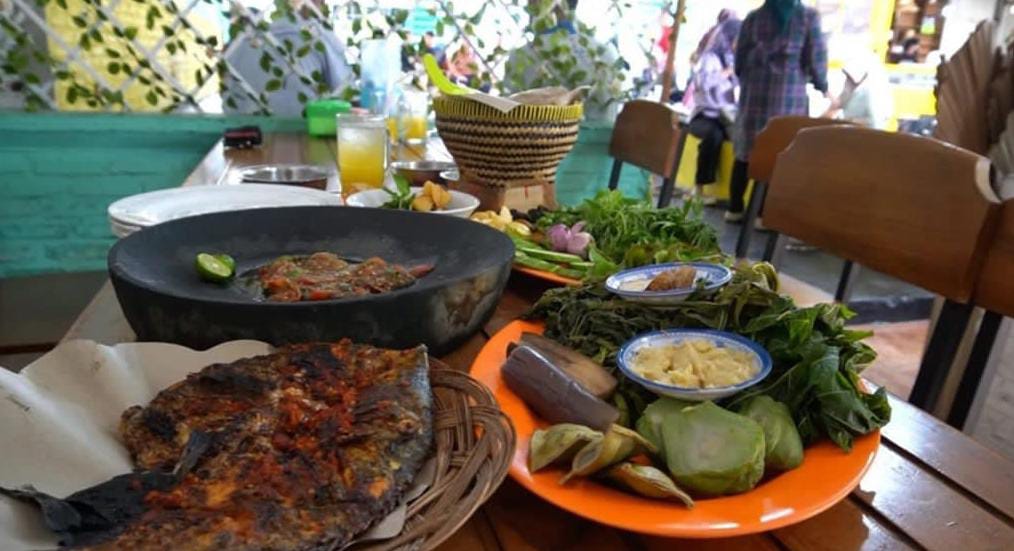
column 548, row 276
column 826, row 476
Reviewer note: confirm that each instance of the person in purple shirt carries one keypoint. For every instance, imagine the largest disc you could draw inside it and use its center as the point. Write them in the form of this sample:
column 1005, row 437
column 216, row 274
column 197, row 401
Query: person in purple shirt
column 780, row 49
column 714, row 85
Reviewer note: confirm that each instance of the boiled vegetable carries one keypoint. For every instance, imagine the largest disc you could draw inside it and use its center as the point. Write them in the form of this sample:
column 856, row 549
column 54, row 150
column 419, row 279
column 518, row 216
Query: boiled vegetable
column 712, row 451
column 648, row 481
column 617, row 444
column 553, row 394
column 817, row 360
column 581, row 368
column 783, row 447
column 649, row 425
column 558, row 443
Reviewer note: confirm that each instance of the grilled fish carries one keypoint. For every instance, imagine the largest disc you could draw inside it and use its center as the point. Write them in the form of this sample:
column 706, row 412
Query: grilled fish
column 308, row 447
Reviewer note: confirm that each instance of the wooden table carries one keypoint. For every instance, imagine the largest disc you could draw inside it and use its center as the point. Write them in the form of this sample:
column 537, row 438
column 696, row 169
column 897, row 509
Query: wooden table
column 930, row 486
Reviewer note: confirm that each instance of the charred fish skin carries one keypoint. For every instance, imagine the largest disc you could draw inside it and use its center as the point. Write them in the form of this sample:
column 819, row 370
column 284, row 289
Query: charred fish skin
column 308, row 447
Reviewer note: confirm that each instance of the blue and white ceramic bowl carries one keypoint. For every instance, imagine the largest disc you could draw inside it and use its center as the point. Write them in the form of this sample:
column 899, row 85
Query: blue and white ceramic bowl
column 631, row 284
column 721, row 339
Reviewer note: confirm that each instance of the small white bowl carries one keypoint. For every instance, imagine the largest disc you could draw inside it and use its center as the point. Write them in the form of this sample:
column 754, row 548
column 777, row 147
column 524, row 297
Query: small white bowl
column 630, row 284
column 629, row 350
column 461, row 205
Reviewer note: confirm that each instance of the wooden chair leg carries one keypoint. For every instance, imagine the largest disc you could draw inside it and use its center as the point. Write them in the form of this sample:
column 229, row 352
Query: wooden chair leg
column 774, row 248
column 614, row 176
column 665, row 195
column 849, row 273
column 753, row 209
column 940, row 352
column 977, row 360
column 669, row 183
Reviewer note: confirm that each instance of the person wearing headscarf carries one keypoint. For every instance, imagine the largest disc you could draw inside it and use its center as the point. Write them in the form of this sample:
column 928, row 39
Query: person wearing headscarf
column 780, row 50
column 249, row 51
column 723, row 15
column 714, row 94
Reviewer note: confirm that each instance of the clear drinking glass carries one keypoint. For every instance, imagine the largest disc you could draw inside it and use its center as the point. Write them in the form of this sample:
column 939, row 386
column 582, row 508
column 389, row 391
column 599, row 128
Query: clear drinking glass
column 414, row 112
column 362, row 152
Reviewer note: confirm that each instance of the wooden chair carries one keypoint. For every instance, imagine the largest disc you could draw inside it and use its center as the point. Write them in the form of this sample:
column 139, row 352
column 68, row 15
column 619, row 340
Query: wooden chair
column 1002, row 152
column 963, row 84
column 1000, row 100
column 647, row 135
column 913, row 208
column 995, row 293
column 776, row 136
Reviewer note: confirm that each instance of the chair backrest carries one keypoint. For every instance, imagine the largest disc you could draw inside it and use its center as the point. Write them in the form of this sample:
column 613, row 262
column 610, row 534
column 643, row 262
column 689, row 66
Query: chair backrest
column 777, row 134
column 646, row 135
column 913, row 208
column 962, row 91
column 995, row 290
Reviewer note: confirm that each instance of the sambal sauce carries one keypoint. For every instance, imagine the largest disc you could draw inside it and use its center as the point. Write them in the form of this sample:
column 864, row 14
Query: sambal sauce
column 325, row 276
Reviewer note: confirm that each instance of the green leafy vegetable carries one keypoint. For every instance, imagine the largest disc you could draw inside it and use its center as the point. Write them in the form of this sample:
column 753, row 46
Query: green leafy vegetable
column 631, row 232
column 817, row 360
column 625, row 233
column 402, row 198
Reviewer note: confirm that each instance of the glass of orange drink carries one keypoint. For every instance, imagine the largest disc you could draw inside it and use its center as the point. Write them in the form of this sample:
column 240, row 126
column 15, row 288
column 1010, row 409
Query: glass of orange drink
column 362, row 152
column 414, row 116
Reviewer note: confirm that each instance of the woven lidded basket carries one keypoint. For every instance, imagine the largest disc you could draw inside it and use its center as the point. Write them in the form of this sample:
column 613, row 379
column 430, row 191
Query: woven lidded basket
column 499, row 149
column 474, row 444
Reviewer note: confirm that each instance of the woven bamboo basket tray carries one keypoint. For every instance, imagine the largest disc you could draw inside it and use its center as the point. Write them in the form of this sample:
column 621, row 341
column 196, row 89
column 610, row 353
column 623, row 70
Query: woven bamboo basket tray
column 503, row 149
column 474, row 443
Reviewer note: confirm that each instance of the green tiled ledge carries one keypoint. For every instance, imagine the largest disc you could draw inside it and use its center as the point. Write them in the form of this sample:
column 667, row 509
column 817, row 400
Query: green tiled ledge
column 59, row 172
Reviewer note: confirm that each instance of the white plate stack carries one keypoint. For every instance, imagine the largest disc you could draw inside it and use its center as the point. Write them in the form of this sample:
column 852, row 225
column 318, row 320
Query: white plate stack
column 137, row 212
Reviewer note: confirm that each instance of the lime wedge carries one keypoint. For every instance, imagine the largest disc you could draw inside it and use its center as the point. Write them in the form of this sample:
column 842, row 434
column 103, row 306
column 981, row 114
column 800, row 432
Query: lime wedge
column 228, row 261
column 212, row 268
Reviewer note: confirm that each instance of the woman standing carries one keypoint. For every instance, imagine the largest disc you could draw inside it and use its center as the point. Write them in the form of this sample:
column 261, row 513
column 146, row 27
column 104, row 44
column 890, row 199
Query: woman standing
column 780, row 50
column 714, row 97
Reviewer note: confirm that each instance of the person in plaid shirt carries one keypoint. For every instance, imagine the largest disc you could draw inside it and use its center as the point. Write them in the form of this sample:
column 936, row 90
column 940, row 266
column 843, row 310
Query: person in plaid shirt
column 780, row 49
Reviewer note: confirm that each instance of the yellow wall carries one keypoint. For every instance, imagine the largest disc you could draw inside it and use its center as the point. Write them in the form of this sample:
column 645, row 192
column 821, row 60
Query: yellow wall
column 181, row 65
column 911, row 101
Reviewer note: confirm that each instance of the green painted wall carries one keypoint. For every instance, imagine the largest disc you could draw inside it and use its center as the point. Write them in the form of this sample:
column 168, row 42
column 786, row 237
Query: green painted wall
column 59, row 172
column 586, row 169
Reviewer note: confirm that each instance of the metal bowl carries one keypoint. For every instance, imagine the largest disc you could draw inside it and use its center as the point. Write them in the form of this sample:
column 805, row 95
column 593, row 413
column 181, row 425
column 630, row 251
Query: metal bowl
column 449, row 176
column 164, row 300
column 300, row 175
column 419, row 172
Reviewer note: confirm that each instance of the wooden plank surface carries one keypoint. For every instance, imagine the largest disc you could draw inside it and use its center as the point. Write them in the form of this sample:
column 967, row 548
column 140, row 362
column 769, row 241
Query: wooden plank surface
column 929, row 487
column 973, row 467
column 855, row 528
column 929, row 510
